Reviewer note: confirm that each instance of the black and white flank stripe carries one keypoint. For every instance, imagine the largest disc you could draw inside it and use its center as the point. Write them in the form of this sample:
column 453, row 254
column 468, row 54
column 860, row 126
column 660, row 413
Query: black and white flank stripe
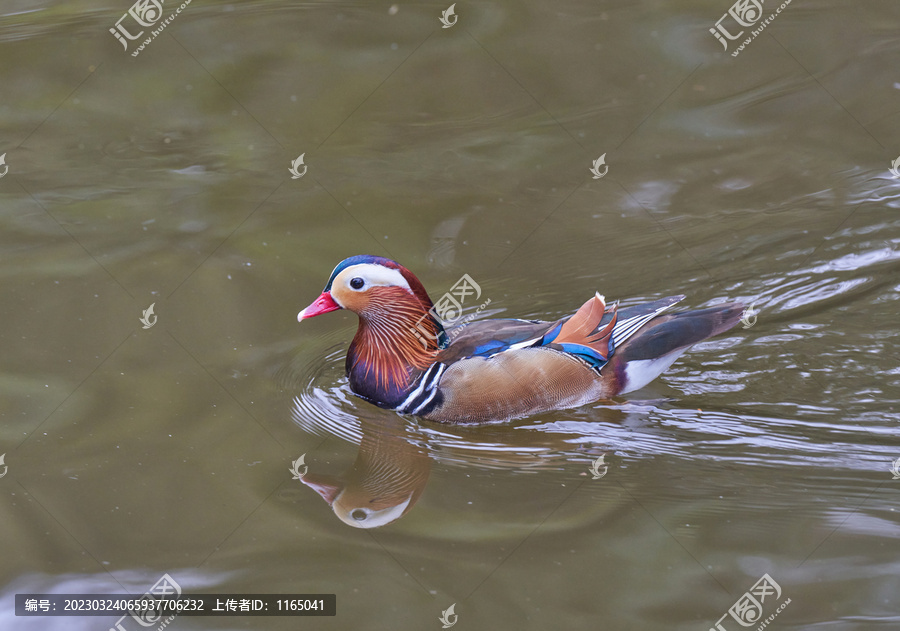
column 424, row 395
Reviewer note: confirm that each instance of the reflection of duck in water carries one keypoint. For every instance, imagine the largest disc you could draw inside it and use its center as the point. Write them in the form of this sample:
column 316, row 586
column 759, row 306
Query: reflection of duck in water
column 385, row 481
column 496, row 370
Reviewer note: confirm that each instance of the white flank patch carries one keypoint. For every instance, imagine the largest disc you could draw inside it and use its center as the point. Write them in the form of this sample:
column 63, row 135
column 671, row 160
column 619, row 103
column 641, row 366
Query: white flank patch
column 640, row 372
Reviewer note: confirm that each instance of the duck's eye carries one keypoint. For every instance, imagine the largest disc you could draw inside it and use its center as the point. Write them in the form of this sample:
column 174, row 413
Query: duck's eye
column 359, row 514
column 357, row 283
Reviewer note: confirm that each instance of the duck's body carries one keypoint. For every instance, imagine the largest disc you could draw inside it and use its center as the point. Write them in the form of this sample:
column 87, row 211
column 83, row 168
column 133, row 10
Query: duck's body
column 496, row 370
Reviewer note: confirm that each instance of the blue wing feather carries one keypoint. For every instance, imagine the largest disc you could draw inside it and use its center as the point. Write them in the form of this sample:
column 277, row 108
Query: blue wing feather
column 592, row 357
column 550, row 335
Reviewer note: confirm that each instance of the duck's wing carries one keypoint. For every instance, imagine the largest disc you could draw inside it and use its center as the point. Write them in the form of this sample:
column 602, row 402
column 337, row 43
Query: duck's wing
column 489, row 337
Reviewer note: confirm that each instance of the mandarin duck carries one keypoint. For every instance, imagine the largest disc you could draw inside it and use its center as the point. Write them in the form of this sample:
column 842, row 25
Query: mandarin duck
column 500, row 369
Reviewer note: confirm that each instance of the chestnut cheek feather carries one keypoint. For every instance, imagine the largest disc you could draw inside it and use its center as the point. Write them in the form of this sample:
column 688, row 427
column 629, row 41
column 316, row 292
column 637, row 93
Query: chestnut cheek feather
column 355, row 301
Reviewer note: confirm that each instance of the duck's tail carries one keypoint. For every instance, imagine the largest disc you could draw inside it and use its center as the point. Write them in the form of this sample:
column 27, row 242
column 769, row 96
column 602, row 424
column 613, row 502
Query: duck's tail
column 657, row 344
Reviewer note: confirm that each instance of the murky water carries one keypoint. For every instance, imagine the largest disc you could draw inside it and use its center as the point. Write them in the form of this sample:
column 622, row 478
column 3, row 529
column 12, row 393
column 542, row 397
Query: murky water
column 163, row 178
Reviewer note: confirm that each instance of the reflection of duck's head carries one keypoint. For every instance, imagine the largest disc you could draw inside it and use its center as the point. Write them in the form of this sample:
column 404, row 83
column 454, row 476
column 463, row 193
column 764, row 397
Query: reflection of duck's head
column 359, row 506
column 385, row 482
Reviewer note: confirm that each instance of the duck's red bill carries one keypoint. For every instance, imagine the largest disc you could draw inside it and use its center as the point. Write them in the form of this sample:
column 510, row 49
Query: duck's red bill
column 323, row 304
column 326, row 486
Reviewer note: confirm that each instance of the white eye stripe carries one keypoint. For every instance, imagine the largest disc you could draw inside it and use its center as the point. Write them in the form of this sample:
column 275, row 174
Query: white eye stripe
column 374, row 275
